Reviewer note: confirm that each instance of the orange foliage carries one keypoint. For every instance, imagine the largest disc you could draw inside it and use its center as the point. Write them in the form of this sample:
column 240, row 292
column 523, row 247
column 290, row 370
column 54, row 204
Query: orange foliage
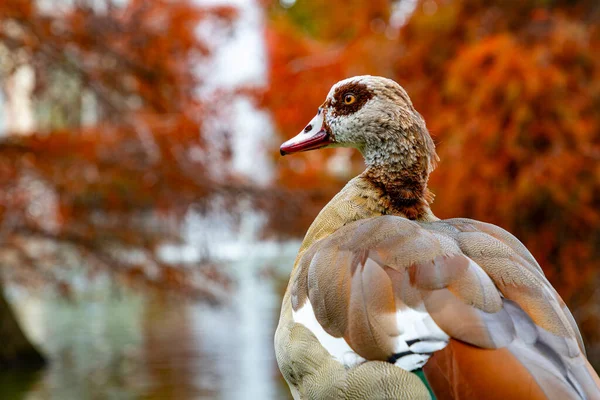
column 125, row 181
column 511, row 94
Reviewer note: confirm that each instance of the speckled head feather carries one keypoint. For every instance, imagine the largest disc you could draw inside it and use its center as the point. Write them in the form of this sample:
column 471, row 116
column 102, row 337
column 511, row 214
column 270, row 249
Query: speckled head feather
column 375, row 115
column 382, row 123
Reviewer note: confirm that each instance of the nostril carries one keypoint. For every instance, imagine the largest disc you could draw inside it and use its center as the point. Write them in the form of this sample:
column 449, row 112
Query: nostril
column 308, row 128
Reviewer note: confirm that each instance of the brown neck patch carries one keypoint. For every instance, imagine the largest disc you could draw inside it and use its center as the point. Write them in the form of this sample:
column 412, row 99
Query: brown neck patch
column 401, row 192
column 359, row 90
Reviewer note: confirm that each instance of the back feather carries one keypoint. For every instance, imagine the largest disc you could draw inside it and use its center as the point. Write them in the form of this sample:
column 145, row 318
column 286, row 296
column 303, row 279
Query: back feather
column 511, row 334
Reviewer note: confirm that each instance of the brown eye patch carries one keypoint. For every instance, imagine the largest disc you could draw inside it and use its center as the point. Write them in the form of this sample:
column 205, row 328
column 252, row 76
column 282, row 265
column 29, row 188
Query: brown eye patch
column 359, row 93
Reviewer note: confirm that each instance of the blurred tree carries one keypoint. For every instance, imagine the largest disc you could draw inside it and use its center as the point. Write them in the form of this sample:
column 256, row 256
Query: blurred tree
column 117, row 156
column 511, row 94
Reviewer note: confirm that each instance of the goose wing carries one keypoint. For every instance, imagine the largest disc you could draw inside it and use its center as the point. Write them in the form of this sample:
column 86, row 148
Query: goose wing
column 462, row 299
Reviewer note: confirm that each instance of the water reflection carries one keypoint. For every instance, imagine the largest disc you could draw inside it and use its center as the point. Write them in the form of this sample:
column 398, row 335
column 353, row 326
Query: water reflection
column 121, row 344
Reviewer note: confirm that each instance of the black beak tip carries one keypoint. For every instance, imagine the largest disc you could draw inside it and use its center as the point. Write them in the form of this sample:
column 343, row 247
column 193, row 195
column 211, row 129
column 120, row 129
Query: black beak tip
column 283, row 153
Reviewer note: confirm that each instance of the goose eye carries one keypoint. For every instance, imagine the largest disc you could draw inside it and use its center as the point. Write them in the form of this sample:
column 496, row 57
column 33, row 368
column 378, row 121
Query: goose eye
column 349, row 98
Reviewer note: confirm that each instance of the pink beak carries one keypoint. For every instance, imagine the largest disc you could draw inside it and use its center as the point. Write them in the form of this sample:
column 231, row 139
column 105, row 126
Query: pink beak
column 314, row 136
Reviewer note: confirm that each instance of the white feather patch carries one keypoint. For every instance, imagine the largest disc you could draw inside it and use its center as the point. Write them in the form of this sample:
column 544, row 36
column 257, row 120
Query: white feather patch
column 412, row 361
column 418, row 325
column 337, row 347
column 415, row 326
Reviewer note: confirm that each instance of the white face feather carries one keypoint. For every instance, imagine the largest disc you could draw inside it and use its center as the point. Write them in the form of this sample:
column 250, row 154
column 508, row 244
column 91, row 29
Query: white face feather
column 380, row 127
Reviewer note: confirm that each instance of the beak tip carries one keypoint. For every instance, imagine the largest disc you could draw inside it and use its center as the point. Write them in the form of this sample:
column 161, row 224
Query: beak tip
column 282, row 152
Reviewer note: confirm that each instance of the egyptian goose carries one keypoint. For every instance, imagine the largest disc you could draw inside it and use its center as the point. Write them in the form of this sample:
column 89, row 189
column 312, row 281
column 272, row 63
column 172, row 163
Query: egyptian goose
column 387, row 301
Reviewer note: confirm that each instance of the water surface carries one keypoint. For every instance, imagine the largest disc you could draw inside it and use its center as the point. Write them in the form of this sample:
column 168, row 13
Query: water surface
column 119, row 343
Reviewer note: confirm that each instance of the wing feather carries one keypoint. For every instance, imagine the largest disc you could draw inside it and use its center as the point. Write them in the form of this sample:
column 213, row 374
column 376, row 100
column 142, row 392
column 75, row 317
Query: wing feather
column 475, row 281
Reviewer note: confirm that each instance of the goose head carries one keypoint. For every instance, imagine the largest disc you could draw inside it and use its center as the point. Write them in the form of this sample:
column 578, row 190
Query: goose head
column 374, row 115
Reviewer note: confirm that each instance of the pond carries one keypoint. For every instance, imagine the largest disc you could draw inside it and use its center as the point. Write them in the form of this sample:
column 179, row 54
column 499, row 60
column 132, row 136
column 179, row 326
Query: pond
column 117, row 343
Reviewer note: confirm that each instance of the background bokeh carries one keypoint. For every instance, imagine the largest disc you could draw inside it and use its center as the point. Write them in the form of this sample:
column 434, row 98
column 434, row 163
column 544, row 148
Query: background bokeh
column 148, row 223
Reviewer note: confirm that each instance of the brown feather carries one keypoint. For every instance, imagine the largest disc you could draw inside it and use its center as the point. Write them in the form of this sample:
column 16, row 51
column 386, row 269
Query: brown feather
column 371, row 313
column 439, row 272
column 464, row 372
column 366, row 271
